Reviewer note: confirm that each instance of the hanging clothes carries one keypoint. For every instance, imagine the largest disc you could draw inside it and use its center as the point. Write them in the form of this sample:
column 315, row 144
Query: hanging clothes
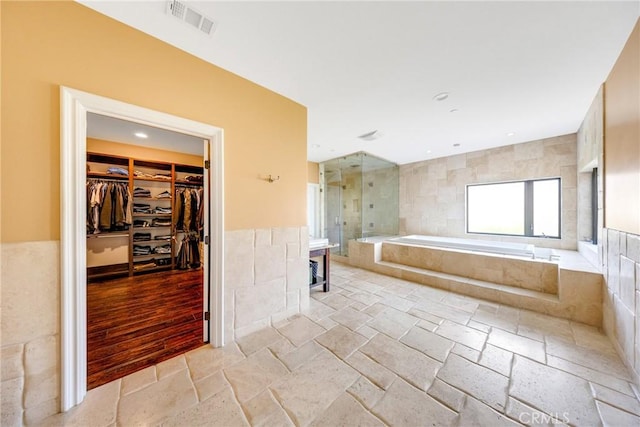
column 189, row 252
column 189, row 209
column 109, row 206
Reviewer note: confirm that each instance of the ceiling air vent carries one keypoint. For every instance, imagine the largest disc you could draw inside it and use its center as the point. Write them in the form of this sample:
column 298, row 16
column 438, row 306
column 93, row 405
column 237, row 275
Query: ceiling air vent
column 191, row 16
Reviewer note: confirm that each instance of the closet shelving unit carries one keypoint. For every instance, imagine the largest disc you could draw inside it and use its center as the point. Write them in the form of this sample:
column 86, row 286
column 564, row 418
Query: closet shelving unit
column 148, row 175
column 143, row 174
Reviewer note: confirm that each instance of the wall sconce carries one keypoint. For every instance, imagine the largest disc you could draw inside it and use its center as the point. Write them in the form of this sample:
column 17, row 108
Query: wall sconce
column 272, row 179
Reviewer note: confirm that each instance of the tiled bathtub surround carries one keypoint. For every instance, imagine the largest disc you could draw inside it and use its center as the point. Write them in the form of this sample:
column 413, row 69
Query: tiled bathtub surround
column 536, row 275
column 622, row 294
column 266, row 280
column 577, row 294
column 378, row 351
column 432, row 192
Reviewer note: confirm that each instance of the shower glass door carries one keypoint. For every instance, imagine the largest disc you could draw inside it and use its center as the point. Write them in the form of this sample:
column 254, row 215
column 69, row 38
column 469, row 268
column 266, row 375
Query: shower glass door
column 360, row 199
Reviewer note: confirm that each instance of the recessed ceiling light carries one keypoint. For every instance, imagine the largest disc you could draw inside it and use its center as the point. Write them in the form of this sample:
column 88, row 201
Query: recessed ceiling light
column 511, row 134
column 428, row 151
column 441, row 96
column 456, row 145
column 141, row 135
column 454, row 110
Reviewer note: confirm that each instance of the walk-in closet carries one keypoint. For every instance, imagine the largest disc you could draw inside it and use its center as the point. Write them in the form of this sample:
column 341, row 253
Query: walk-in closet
column 146, row 223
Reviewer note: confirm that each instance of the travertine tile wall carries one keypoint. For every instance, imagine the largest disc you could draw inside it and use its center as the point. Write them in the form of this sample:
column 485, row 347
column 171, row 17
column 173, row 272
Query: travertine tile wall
column 351, row 205
column 266, row 277
column 590, row 150
column 621, row 306
column 432, row 192
column 380, row 202
column 266, row 280
column 30, row 331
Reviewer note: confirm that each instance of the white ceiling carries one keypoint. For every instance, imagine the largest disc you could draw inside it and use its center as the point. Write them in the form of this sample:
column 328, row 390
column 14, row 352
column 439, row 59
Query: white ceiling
column 528, row 68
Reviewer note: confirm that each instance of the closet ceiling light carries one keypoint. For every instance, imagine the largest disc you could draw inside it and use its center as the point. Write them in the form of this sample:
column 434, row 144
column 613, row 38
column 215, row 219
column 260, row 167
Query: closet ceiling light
column 510, row 134
column 141, row 135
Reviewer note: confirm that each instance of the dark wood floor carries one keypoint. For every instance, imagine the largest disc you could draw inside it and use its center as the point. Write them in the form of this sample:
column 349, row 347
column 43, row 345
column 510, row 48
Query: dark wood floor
column 135, row 322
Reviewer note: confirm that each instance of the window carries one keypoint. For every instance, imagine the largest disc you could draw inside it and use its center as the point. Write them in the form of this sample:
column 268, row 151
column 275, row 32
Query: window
column 523, row 208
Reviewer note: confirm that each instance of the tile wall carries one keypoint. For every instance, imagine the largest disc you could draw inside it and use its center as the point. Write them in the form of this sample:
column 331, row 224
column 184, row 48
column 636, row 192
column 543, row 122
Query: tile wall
column 380, row 202
column 266, row 277
column 432, row 192
column 266, row 280
column 590, row 155
column 30, row 331
column 621, row 305
column 351, row 205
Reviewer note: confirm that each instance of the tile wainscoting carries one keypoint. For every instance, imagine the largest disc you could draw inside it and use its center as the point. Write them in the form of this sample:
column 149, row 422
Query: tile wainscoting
column 266, row 280
column 621, row 307
column 266, row 277
column 30, row 331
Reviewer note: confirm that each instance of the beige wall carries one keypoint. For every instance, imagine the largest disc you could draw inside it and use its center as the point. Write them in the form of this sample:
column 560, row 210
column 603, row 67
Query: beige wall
column 622, row 139
column 48, row 44
column 432, row 193
column 313, row 173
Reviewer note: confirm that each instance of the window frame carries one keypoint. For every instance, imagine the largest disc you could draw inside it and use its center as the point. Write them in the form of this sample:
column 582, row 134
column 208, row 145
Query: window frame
column 528, row 208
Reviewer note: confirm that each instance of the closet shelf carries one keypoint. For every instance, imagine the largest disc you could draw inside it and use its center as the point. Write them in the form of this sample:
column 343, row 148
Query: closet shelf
column 139, row 178
column 136, row 215
column 185, row 182
column 104, row 175
column 107, row 234
column 151, row 256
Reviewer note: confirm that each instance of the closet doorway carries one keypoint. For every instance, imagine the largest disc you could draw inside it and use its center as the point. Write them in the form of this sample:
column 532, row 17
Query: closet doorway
column 79, row 268
column 147, row 274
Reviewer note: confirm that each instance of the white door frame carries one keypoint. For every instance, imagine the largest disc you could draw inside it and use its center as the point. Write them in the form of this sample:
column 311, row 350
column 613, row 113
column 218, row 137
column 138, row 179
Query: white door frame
column 74, row 106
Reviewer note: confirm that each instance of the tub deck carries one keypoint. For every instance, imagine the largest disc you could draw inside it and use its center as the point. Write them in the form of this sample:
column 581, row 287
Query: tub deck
column 570, row 288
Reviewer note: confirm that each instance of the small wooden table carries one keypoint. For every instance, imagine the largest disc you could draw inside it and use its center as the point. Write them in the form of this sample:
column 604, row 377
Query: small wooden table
column 323, row 251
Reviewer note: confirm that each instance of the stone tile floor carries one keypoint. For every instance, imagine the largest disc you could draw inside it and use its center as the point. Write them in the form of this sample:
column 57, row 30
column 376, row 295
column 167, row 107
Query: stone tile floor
column 382, row 351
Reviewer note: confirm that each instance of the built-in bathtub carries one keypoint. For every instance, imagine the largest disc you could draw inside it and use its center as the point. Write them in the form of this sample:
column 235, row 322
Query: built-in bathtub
column 502, row 272
column 502, row 248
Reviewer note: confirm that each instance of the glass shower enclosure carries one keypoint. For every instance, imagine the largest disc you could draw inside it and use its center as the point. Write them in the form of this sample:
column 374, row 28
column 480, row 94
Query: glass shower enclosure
column 360, row 198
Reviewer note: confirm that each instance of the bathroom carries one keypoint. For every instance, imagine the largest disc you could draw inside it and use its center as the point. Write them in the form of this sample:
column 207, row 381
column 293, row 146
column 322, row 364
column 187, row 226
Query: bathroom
column 368, row 202
column 366, row 197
